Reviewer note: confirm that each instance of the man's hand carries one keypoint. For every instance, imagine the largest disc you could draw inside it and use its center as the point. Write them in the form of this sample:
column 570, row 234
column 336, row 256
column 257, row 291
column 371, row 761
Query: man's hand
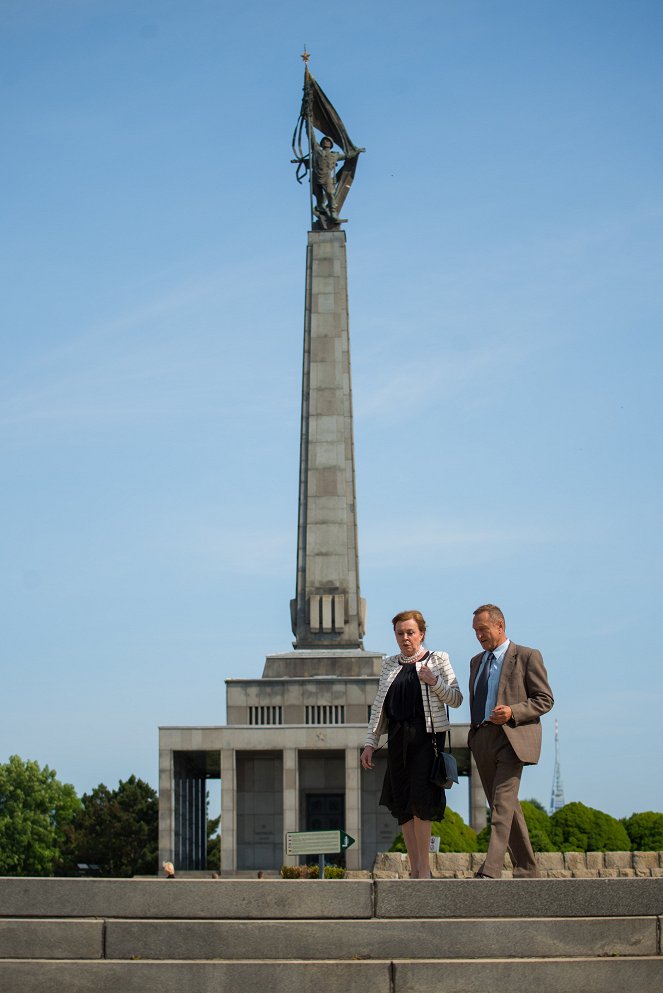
column 501, row 714
column 366, row 757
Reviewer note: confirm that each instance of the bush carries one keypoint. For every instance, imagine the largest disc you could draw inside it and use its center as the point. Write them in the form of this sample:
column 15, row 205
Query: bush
column 538, row 828
column 577, row 828
column 645, row 831
column 301, row 871
column 453, row 832
column 334, row 872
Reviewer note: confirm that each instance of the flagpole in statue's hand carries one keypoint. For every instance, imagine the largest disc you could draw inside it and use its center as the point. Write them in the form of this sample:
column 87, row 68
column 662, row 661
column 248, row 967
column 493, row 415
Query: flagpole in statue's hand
column 328, row 186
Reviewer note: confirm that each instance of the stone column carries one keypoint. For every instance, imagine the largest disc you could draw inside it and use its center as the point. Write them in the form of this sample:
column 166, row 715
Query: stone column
column 327, row 610
column 228, row 811
column 290, row 799
column 166, row 807
column 353, row 807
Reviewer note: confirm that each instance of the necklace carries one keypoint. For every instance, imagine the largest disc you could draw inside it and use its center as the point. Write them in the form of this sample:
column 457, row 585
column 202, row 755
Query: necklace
column 413, row 658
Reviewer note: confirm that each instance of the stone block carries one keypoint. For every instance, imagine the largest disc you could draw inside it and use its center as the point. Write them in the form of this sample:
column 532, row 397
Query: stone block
column 195, row 977
column 626, row 873
column 550, row 860
column 608, row 873
column 643, row 862
column 560, row 873
column 51, row 939
column 580, row 873
column 555, row 897
column 219, row 899
column 595, row 860
column 575, row 860
column 384, row 939
column 554, row 976
column 391, row 862
column 618, row 860
column 454, row 861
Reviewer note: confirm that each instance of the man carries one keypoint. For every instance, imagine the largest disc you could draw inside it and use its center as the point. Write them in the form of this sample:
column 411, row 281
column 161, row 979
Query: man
column 324, row 176
column 508, row 693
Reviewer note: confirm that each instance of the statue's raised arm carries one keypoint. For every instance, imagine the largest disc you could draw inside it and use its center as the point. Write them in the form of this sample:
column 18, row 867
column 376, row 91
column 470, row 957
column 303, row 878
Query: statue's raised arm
column 329, row 184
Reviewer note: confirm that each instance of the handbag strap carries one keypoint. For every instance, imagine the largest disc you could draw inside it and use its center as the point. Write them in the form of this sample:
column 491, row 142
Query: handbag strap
column 444, row 733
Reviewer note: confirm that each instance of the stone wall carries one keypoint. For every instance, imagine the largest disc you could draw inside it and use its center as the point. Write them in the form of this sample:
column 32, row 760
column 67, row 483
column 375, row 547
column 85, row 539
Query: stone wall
column 552, row 865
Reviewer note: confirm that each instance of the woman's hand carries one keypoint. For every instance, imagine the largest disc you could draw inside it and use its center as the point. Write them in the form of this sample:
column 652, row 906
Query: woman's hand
column 366, row 757
column 426, row 676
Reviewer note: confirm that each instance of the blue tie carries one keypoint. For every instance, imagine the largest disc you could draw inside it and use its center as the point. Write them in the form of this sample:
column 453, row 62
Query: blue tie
column 478, row 714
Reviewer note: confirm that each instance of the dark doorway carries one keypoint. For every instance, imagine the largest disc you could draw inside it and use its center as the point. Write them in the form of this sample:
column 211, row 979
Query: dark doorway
column 325, row 811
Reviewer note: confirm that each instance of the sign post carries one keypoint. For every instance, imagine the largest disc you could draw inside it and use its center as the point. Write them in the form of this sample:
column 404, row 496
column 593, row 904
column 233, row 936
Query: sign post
column 318, row 843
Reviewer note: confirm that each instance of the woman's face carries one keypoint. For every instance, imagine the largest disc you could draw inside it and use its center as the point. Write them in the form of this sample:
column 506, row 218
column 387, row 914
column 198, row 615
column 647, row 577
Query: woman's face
column 408, row 636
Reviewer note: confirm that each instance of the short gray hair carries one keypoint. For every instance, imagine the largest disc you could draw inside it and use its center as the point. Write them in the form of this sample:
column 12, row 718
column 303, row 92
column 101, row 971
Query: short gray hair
column 493, row 612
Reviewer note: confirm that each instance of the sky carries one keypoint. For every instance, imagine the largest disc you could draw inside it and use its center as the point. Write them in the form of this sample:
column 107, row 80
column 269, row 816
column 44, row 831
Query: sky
column 504, row 243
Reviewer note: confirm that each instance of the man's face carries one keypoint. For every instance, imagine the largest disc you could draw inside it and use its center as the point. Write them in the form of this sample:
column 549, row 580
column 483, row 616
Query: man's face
column 489, row 632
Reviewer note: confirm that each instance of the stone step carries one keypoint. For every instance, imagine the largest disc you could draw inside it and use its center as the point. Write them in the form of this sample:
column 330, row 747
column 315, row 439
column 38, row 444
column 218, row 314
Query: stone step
column 522, row 975
column 334, row 899
column 307, row 940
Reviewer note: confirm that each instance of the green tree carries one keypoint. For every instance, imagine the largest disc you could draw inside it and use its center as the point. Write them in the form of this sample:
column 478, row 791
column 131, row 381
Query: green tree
column 538, row 828
column 645, row 831
column 117, row 829
column 453, row 832
column 577, row 828
column 35, row 809
column 213, row 843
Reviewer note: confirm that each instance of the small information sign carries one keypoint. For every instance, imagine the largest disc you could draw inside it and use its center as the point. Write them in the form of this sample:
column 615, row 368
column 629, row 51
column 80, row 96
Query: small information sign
column 317, row 842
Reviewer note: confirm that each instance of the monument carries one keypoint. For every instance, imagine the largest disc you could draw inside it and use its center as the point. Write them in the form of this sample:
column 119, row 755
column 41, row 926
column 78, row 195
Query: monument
column 288, row 757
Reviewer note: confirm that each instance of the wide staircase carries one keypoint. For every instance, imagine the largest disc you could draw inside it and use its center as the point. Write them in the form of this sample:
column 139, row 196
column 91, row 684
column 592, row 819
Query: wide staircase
column 319, row 936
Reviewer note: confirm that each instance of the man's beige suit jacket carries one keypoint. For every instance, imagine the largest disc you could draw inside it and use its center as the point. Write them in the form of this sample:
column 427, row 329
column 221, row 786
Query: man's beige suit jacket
column 524, row 687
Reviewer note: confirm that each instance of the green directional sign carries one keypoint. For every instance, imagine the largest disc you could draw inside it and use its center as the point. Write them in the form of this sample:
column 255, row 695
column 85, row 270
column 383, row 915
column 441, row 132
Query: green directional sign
column 317, row 842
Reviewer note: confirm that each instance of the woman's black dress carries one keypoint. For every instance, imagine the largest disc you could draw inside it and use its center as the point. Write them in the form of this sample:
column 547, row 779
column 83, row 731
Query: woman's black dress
column 407, row 790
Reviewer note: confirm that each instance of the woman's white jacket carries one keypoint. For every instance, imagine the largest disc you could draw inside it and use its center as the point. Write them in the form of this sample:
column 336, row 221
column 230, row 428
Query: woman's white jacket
column 445, row 691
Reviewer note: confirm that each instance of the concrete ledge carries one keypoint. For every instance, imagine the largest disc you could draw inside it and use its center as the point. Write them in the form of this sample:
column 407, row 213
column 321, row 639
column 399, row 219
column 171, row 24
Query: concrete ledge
column 51, row 939
column 195, row 977
column 437, row 898
column 612, row 975
column 309, row 940
column 219, row 899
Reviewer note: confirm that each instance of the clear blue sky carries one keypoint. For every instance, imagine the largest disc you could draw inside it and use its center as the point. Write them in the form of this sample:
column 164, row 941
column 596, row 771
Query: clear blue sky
column 504, row 244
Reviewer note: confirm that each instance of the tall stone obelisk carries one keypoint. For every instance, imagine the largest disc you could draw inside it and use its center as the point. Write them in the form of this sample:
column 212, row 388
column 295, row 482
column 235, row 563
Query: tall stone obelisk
column 328, row 611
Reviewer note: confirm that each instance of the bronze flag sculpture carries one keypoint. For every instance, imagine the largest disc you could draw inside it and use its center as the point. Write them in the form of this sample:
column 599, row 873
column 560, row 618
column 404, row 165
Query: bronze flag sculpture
column 329, row 185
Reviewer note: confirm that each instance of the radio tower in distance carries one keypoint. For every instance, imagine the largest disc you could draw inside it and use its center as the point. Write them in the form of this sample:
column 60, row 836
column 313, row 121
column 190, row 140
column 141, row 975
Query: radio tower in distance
column 557, row 795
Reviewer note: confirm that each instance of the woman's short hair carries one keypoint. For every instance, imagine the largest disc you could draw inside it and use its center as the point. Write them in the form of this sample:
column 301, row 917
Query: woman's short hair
column 410, row 615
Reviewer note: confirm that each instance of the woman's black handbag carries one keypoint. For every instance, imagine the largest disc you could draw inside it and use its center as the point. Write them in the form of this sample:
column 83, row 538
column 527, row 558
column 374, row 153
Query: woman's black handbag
column 444, row 771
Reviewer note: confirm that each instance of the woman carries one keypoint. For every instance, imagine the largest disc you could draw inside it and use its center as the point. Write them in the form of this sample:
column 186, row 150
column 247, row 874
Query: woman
column 410, row 705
